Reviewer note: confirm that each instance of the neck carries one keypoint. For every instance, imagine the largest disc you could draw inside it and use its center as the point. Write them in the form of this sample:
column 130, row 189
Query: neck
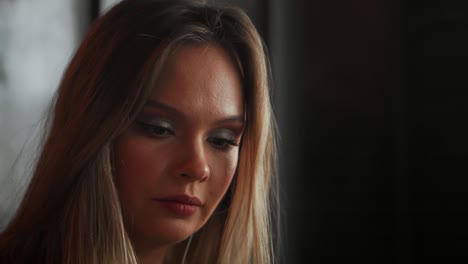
column 151, row 255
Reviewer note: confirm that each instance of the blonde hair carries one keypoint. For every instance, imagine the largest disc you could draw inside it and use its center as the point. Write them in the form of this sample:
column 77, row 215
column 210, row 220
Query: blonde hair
column 71, row 211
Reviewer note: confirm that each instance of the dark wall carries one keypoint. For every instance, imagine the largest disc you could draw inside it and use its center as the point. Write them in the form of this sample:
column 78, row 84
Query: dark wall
column 437, row 37
column 371, row 107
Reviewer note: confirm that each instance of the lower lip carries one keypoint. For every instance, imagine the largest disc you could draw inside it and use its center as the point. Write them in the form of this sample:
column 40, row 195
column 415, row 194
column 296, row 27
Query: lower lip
column 178, row 208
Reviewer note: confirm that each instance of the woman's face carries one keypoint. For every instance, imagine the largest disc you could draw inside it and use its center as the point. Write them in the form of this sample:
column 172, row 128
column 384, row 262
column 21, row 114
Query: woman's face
column 176, row 161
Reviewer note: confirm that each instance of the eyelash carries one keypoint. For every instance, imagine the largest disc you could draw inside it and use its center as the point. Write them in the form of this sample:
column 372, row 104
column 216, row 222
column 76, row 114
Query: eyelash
column 150, row 129
column 226, row 144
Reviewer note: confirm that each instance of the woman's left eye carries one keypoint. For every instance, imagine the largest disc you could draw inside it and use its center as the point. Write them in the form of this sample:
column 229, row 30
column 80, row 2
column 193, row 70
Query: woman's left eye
column 222, row 143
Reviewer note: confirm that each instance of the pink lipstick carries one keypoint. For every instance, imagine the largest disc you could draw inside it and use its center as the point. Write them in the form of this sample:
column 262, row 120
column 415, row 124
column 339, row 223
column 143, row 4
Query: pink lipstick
column 181, row 205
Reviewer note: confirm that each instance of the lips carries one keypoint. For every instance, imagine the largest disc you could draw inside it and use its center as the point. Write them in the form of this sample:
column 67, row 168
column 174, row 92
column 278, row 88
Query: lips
column 184, row 199
column 180, row 205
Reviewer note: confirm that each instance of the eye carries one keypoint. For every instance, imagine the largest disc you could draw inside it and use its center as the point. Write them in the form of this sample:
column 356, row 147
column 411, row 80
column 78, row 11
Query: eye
column 161, row 130
column 222, row 143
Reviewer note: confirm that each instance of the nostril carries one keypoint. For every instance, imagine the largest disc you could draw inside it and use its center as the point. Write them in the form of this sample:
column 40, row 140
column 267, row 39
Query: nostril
column 195, row 173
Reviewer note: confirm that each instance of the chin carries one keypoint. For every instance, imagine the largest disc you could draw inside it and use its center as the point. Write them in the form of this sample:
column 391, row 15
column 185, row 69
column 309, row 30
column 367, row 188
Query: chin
column 169, row 231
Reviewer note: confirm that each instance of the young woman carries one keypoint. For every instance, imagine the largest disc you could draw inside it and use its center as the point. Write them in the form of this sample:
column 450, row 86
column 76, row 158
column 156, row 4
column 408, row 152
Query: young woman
column 160, row 145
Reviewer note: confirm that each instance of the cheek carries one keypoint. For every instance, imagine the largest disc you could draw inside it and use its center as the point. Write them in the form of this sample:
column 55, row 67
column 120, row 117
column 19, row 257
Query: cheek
column 136, row 170
column 223, row 173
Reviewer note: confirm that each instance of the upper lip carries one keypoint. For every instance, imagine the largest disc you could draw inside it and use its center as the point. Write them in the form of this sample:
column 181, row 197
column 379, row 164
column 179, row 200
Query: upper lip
column 185, row 199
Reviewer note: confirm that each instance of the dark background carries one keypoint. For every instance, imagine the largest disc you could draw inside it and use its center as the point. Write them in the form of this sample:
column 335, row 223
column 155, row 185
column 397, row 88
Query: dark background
column 372, row 113
column 371, row 104
column 374, row 134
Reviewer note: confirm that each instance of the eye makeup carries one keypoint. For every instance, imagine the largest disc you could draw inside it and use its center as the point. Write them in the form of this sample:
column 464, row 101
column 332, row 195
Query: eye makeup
column 156, row 128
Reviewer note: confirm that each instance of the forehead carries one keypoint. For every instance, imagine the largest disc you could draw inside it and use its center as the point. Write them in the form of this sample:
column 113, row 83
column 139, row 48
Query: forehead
column 200, row 79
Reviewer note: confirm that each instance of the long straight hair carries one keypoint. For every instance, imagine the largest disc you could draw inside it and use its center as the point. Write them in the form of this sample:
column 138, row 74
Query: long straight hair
column 71, row 211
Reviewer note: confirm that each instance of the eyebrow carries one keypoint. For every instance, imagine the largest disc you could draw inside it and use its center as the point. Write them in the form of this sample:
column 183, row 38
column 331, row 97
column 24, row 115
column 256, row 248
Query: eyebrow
column 175, row 112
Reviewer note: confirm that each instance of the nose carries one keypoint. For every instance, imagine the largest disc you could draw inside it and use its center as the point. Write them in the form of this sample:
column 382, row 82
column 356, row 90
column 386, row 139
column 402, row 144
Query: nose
column 192, row 164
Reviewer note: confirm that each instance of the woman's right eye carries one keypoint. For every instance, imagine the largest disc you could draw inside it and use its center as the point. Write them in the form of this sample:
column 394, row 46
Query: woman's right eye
column 156, row 130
